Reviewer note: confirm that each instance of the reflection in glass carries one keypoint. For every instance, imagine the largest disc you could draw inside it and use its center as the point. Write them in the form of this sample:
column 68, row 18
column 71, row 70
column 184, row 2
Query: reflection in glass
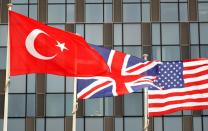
column 169, row 12
column 197, row 124
column 94, row 107
column 55, row 124
column 131, row 13
column 16, row 124
column 91, row 122
column 108, row 106
column 55, row 83
column 133, row 50
column 117, row 34
column 55, row 105
column 94, row 13
column 146, row 12
column 194, row 32
column 170, row 53
column 16, row 105
column 30, row 105
column 94, row 30
column 70, row 13
column 203, row 11
column 3, row 35
column 133, row 124
column 18, row 84
column 54, row 12
column 107, row 12
column 132, row 34
column 157, row 124
column 203, row 33
column 156, row 34
column 183, row 11
column 172, row 124
column 118, row 124
column 170, row 34
column 133, row 108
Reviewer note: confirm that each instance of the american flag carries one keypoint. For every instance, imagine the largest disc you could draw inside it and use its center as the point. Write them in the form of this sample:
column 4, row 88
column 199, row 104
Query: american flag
column 181, row 85
column 128, row 74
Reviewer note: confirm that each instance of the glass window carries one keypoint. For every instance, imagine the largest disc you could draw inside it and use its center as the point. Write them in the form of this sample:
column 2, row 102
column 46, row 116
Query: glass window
column 169, row 12
column 16, row 124
column 170, row 53
column 118, row 124
column 69, row 104
column 1, row 124
column 183, row 12
column 31, row 83
column 108, row 106
column 18, row 84
column 69, row 84
column 80, row 29
column 133, row 50
column 131, row 0
column 172, row 124
column 107, row 12
column 32, row 1
column 80, row 124
column 146, row 12
column 16, row 105
column 197, row 124
column 94, row 13
column 22, row 9
column 156, row 53
column 132, row 34
column 170, row 34
column 205, row 112
column 194, row 51
column 187, row 112
column 204, row 51
column 94, row 107
column 40, row 124
column 70, row 1
column 89, row 122
column 56, row 13
column 131, row 13
column 3, row 35
column 55, row 83
column 30, row 105
column 157, row 124
column 55, row 105
column 55, row 124
column 94, row 34
column 203, row 33
column 156, row 34
column 168, row 0
column 20, row 1
column 135, row 102
column 3, row 58
column 203, row 11
column 70, row 13
column 118, row 48
column 194, row 32
column 117, row 34
column 205, row 125
column 93, row 1
column 56, row 1
column 59, row 26
column 33, row 11
column 133, row 123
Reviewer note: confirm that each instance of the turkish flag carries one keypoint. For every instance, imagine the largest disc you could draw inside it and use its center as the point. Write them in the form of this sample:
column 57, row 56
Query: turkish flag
column 37, row 48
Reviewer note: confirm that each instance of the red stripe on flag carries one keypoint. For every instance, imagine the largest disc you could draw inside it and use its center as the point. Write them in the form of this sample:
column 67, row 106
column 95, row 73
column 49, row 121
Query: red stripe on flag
column 139, row 67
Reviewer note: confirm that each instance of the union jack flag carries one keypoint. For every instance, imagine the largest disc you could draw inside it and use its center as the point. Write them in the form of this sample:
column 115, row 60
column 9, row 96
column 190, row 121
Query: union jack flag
column 127, row 74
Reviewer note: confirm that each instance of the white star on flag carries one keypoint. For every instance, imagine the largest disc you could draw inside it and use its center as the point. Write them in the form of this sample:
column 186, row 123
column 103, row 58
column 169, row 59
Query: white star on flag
column 61, row 46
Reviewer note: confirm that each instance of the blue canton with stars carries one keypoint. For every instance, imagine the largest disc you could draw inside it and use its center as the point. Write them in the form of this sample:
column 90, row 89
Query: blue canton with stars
column 170, row 75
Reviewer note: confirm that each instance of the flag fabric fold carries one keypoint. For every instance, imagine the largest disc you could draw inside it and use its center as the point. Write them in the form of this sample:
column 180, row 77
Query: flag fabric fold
column 127, row 74
column 181, row 85
column 37, row 48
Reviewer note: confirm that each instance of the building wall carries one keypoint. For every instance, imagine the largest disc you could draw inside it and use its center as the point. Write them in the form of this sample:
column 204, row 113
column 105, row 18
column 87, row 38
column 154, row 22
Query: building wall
column 165, row 29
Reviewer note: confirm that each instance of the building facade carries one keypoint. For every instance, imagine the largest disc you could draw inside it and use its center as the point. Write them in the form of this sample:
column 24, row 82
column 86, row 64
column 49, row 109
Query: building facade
column 164, row 29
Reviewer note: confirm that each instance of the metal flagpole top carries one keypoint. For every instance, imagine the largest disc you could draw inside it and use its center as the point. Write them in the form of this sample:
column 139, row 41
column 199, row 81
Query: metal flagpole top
column 145, row 56
column 9, row 6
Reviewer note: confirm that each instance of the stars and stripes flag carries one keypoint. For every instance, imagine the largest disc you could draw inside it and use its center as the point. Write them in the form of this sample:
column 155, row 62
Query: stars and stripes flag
column 127, row 74
column 181, row 85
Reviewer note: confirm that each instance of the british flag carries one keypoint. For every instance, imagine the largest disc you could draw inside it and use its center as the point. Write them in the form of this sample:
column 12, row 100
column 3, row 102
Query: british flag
column 127, row 74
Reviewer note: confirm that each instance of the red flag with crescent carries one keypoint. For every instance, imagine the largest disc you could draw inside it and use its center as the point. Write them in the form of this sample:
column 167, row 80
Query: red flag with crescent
column 38, row 48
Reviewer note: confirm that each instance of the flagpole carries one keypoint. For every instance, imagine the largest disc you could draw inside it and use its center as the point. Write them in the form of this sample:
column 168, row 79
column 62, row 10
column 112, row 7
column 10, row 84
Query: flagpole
column 7, row 81
column 75, row 105
column 146, row 119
